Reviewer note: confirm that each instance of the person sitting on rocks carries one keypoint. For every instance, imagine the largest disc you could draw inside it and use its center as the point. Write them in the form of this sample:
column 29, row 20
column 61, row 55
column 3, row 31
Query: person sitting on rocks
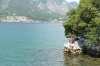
column 75, row 37
column 74, row 40
column 71, row 40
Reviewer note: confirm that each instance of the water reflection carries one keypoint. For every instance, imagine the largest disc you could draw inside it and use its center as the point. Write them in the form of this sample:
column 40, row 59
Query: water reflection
column 80, row 60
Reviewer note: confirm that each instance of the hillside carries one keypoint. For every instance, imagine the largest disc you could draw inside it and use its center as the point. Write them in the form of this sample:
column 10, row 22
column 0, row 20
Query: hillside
column 42, row 10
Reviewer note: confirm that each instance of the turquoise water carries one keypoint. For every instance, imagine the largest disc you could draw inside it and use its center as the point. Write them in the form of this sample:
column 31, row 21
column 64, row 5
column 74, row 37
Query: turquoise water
column 31, row 44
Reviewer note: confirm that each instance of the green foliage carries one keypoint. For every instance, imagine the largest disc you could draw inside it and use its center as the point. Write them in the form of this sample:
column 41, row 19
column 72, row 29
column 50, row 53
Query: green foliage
column 72, row 12
column 88, row 13
column 85, row 20
column 96, row 4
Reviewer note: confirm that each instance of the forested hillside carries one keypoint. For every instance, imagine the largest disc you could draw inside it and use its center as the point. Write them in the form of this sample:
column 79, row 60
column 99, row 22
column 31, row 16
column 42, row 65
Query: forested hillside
column 43, row 10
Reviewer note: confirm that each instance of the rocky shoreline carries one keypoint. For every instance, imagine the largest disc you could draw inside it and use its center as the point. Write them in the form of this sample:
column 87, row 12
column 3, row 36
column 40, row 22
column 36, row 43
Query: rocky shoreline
column 83, row 48
column 93, row 50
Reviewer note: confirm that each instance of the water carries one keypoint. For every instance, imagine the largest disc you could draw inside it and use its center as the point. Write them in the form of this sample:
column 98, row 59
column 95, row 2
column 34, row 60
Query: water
column 31, row 44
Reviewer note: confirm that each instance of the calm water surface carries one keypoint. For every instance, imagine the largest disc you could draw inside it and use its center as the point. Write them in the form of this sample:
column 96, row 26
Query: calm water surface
column 30, row 44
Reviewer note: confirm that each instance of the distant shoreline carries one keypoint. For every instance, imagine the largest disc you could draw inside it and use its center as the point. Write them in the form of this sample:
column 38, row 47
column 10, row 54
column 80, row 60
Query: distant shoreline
column 26, row 19
column 33, row 22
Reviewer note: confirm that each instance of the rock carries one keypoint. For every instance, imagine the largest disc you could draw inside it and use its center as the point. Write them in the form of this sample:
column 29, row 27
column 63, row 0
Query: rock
column 76, row 48
column 81, row 46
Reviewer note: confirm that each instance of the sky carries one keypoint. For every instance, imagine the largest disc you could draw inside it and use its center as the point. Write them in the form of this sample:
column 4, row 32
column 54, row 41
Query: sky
column 73, row 0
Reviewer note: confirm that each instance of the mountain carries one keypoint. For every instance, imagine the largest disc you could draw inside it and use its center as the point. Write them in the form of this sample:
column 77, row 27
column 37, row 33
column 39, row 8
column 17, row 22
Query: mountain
column 74, row 4
column 43, row 10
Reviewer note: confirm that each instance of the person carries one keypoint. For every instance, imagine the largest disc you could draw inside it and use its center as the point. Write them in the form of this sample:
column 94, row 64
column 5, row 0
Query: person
column 75, row 37
column 71, row 40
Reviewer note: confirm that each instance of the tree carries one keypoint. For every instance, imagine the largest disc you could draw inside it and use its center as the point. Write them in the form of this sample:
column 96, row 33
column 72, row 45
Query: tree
column 85, row 20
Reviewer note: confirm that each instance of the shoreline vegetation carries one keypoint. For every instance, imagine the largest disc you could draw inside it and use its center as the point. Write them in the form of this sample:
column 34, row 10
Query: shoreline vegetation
column 85, row 23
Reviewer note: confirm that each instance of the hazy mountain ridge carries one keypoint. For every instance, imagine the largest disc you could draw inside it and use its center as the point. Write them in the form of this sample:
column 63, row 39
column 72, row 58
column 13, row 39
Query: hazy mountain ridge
column 35, row 9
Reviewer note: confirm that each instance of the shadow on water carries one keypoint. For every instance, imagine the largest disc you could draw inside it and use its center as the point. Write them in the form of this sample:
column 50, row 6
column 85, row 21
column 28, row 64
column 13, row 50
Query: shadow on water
column 80, row 60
